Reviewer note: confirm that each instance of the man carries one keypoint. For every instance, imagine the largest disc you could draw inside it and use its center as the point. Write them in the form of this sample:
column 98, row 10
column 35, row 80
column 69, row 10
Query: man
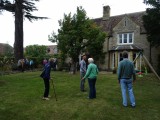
column 82, row 72
column 126, row 76
column 46, row 78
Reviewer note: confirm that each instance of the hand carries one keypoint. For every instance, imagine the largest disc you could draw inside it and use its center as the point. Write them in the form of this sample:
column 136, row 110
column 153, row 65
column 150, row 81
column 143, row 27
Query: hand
column 82, row 78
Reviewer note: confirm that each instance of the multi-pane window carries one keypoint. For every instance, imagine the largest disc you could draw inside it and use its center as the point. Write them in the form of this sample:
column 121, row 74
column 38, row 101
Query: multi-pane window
column 125, row 38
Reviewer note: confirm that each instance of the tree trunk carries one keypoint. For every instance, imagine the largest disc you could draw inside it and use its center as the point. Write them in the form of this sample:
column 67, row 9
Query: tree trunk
column 74, row 68
column 150, row 54
column 18, row 44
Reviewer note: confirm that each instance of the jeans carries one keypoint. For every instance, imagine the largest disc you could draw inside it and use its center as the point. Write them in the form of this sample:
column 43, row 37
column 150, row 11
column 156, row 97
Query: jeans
column 92, row 88
column 126, row 84
column 82, row 82
column 47, row 86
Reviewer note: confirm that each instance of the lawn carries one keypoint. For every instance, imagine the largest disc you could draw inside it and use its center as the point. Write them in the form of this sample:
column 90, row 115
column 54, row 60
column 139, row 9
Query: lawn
column 21, row 95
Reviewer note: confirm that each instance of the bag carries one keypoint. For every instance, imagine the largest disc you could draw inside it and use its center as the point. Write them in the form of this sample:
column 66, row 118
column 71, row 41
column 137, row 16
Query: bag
column 42, row 74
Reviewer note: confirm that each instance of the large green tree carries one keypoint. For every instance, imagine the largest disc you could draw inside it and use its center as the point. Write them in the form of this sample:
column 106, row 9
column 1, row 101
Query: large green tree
column 36, row 51
column 21, row 9
column 152, row 22
column 78, row 34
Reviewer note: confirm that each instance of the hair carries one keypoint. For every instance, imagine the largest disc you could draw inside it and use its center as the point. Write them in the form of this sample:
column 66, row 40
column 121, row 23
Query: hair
column 51, row 60
column 125, row 54
column 90, row 60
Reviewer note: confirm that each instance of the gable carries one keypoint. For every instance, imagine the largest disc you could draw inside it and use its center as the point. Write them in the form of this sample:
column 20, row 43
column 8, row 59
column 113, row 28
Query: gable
column 109, row 24
column 126, row 25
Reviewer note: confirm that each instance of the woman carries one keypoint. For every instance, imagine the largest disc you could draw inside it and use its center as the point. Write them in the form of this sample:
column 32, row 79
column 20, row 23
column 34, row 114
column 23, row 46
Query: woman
column 91, row 74
column 46, row 78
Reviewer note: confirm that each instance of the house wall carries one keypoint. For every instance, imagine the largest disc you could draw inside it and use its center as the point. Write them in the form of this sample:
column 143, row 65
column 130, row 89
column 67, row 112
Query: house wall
column 106, row 60
column 124, row 26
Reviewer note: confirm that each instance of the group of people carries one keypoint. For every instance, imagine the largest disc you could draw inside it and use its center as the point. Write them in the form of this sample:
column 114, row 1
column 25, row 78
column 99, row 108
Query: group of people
column 25, row 64
column 126, row 77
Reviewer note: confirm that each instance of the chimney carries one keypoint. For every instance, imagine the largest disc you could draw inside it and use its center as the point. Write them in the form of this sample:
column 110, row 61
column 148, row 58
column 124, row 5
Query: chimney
column 106, row 12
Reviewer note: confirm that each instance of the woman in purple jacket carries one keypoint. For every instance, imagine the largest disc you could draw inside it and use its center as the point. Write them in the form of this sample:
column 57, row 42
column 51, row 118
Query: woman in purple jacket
column 46, row 78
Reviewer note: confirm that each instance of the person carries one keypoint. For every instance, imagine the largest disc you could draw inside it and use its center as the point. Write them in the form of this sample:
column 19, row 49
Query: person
column 126, row 76
column 21, row 63
column 31, row 64
column 26, row 63
column 91, row 74
column 44, row 62
column 46, row 78
column 82, row 72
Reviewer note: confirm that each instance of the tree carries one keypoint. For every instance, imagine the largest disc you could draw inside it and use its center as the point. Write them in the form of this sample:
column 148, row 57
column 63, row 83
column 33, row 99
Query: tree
column 36, row 50
column 37, row 53
column 78, row 34
column 152, row 22
column 21, row 9
column 8, row 50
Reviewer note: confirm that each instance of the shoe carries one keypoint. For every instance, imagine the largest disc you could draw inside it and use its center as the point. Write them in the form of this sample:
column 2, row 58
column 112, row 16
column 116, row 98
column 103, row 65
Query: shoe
column 133, row 106
column 45, row 98
column 83, row 90
column 89, row 98
column 49, row 96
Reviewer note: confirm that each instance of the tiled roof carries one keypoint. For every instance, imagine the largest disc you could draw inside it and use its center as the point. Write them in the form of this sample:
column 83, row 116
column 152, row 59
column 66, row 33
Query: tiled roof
column 109, row 24
column 126, row 47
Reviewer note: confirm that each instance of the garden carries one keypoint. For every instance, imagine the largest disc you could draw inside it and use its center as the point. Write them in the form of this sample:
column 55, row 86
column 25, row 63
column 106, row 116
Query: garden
column 21, row 98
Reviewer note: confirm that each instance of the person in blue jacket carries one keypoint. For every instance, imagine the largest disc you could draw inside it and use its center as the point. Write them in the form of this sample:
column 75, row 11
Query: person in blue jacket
column 46, row 78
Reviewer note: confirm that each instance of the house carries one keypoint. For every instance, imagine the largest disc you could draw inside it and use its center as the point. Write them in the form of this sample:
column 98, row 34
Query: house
column 5, row 49
column 52, row 49
column 125, row 32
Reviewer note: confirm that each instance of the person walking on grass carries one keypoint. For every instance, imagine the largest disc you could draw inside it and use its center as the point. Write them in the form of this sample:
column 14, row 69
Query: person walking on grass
column 126, row 76
column 46, row 78
column 82, row 72
column 91, row 74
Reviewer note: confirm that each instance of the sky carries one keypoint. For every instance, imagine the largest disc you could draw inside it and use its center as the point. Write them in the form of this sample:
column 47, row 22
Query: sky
column 37, row 32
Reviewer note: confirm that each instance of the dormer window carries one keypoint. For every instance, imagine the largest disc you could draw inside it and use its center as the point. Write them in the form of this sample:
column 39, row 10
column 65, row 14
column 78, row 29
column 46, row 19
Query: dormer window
column 125, row 38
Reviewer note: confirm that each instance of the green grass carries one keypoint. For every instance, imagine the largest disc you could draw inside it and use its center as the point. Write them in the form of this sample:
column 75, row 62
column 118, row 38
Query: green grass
column 21, row 98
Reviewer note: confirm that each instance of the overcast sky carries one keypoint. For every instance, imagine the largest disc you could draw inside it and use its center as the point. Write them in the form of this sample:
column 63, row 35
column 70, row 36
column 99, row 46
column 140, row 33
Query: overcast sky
column 37, row 32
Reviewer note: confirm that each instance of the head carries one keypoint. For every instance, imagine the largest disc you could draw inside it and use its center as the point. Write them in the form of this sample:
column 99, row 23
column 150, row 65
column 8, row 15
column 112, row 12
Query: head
column 90, row 60
column 51, row 60
column 84, row 57
column 125, row 54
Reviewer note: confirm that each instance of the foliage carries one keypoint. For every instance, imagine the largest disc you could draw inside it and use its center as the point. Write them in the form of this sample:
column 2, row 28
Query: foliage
column 21, row 9
column 21, row 98
column 6, row 63
column 37, row 53
column 152, row 22
column 36, row 50
column 8, row 51
column 78, row 34
column 28, row 7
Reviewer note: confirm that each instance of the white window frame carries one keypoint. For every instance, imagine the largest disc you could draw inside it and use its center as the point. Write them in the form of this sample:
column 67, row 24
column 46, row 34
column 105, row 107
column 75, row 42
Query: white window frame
column 123, row 38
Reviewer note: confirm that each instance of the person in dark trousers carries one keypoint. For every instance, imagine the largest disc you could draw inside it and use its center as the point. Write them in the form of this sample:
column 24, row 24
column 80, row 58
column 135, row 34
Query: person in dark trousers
column 126, row 76
column 82, row 72
column 46, row 78
column 91, row 74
